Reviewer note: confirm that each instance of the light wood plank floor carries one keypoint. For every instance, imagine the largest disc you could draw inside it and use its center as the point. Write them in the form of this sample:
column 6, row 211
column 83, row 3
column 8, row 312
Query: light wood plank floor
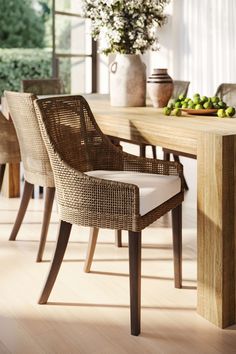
column 89, row 313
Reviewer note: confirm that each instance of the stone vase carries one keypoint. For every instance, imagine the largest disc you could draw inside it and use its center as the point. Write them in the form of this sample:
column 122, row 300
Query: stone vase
column 128, row 81
column 160, row 87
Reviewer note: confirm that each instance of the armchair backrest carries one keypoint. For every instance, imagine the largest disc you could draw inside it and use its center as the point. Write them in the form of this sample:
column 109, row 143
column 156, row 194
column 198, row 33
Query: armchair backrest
column 227, row 92
column 37, row 168
column 72, row 134
column 51, row 86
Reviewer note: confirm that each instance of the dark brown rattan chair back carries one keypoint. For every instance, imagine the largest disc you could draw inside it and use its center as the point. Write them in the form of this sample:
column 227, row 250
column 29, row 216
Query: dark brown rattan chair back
column 42, row 86
column 76, row 136
column 9, row 146
column 37, row 168
column 227, row 92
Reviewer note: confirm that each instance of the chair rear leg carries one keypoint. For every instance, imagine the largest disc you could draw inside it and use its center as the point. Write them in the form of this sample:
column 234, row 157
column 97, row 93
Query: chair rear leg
column 118, row 238
column 2, row 171
column 142, row 150
column 62, row 241
column 166, row 156
column 49, row 198
column 135, row 280
column 154, row 151
column 177, row 244
column 91, row 248
column 28, row 188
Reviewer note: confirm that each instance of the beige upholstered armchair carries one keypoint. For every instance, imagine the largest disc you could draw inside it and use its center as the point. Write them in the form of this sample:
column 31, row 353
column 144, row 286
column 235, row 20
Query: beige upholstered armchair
column 98, row 185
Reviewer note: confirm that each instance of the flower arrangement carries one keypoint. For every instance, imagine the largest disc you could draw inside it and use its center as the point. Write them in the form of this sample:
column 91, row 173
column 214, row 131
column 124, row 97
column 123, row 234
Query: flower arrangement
column 125, row 26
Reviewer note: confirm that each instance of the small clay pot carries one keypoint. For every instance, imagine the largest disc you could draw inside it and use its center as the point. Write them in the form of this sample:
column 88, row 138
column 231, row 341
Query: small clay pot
column 160, row 87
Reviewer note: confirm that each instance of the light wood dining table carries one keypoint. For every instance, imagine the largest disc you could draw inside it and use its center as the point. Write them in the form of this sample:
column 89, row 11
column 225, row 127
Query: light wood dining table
column 213, row 141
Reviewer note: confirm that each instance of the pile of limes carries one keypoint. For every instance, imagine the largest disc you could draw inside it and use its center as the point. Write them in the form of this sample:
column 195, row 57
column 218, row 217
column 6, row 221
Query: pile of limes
column 199, row 102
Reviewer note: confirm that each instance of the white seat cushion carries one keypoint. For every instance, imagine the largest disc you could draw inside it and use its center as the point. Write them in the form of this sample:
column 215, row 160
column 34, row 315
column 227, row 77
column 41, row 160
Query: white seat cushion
column 153, row 189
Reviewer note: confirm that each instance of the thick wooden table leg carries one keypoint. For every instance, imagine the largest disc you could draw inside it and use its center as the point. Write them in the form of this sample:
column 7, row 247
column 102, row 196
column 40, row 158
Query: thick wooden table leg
column 11, row 181
column 216, row 228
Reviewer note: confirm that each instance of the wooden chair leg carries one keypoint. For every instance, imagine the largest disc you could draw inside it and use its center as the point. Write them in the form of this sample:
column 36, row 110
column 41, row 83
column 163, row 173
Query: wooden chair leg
column 166, row 156
column 176, row 158
column 118, row 238
column 28, row 188
column 135, row 280
column 91, row 248
column 40, row 190
column 2, row 171
column 142, row 150
column 154, row 151
column 49, row 197
column 177, row 244
column 62, row 241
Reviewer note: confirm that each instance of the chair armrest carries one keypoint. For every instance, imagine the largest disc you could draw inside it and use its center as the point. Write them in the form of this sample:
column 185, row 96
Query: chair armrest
column 79, row 191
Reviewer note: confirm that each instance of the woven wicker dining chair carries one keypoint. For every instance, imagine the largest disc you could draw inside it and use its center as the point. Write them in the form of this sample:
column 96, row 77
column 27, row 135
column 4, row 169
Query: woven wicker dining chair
column 227, row 93
column 51, row 86
column 9, row 146
column 36, row 164
column 101, row 186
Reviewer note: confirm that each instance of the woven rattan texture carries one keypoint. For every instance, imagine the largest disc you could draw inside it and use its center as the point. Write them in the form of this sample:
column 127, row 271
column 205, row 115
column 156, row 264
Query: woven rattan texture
column 42, row 86
column 227, row 92
column 76, row 145
column 9, row 147
column 37, row 168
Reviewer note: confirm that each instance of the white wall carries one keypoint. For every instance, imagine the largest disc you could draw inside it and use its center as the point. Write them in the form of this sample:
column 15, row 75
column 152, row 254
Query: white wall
column 199, row 43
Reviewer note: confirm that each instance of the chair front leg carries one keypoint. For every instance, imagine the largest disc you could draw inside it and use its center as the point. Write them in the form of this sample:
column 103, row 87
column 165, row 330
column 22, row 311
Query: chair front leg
column 91, row 248
column 135, row 280
column 49, row 198
column 118, row 238
column 62, row 241
column 177, row 244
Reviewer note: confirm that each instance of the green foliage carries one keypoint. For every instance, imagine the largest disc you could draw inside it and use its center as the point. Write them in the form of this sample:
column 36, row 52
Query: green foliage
column 21, row 25
column 18, row 64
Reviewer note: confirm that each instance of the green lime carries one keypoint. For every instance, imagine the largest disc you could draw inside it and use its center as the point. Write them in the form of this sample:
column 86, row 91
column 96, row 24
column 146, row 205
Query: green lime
column 196, row 95
column 222, row 104
column 221, row 113
column 177, row 112
column 215, row 99
column 230, row 111
column 207, row 105
column 185, row 105
column 197, row 99
column 167, row 111
column 198, row 106
column 178, row 104
column 215, row 105
column 187, row 99
column 204, row 99
column 191, row 105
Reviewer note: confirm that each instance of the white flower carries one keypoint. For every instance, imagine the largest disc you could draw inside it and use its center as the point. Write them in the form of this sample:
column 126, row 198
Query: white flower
column 125, row 26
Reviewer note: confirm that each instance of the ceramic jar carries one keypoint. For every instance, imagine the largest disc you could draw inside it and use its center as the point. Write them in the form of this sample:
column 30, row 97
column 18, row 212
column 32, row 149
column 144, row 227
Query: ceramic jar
column 128, row 81
column 160, row 87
